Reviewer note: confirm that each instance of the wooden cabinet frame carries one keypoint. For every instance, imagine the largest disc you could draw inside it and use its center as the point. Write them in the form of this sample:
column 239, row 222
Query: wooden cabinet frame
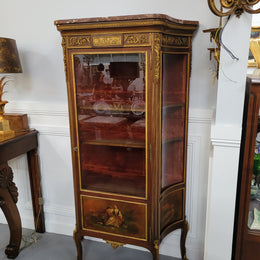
column 246, row 241
column 160, row 206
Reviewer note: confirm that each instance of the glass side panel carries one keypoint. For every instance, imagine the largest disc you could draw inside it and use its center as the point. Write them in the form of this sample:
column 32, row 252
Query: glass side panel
column 173, row 117
column 254, row 205
column 110, row 95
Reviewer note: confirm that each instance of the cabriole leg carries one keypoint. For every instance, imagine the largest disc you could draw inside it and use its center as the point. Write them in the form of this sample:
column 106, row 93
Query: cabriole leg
column 184, row 232
column 155, row 250
column 77, row 238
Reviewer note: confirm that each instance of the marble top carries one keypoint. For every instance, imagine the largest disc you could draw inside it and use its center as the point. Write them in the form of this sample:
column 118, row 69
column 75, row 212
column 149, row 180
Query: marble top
column 125, row 18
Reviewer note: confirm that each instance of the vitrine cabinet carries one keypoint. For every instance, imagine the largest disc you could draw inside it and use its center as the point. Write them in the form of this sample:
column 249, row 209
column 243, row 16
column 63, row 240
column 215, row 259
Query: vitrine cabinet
column 127, row 81
column 246, row 243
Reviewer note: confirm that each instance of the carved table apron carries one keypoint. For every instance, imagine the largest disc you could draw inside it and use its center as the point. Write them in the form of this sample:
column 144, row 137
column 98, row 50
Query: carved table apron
column 9, row 149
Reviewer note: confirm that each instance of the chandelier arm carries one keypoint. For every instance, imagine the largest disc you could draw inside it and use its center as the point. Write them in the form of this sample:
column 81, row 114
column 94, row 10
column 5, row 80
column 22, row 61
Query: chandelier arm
column 227, row 4
column 251, row 11
column 214, row 9
column 251, row 3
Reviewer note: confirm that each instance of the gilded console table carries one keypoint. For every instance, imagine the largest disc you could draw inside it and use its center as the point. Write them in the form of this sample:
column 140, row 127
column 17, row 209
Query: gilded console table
column 9, row 149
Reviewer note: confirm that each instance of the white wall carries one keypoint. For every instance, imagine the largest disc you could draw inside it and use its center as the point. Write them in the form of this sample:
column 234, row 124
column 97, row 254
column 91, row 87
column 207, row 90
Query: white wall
column 225, row 139
column 31, row 23
column 256, row 17
column 41, row 93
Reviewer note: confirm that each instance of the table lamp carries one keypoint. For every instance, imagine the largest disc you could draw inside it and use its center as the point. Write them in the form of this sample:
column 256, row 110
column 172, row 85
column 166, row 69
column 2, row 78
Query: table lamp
column 9, row 63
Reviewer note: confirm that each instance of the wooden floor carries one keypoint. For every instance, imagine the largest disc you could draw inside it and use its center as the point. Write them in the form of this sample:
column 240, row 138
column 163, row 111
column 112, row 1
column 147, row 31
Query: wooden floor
column 59, row 247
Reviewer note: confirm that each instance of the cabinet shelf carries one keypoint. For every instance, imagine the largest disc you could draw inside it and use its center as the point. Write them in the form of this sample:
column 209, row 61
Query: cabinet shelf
column 109, row 171
column 102, row 93
column 113, row 110
column 99, row 182
column 173, row 106
column 114, row 106
column 114, row 179
column 117, row 143
column 172, row 140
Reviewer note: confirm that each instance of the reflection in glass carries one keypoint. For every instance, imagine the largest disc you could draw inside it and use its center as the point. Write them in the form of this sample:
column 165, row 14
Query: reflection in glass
column 110, row 93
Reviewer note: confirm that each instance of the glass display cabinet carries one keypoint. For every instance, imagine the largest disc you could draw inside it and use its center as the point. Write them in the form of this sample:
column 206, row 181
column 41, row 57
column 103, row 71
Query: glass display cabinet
column 127, row 81
column 246, row 244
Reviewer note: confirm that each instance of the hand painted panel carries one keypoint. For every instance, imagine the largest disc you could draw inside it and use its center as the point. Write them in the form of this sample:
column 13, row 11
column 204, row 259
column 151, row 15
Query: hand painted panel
column 171, row 208
column 114, row 217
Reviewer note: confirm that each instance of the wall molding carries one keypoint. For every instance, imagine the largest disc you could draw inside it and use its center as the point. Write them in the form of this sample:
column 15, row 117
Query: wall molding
column 51, row 120
column 200, row 116
column 48, row 118
column 51, row 130
column 226, row 135
column 193, row 161
column 51, row 113
column 38, row 108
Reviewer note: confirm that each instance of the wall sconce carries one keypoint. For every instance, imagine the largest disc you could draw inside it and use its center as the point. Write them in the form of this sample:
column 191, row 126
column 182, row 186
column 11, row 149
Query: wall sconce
column 9, row 63
column 227, row 8
column 234, row 6
column 214, row 37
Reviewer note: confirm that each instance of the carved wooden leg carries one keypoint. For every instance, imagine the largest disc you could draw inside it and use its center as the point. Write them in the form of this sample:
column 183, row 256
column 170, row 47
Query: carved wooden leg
column 8, row 198
column 37, row 202
column 77, row 238
column 155, row 250
column 184, row 232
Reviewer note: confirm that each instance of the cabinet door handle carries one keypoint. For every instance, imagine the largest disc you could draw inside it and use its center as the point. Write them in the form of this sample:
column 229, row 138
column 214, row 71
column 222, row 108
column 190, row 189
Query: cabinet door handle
column 75, row 149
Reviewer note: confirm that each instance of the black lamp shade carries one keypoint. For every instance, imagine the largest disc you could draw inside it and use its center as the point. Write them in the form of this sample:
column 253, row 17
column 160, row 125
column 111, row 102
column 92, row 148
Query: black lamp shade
column 9, row 57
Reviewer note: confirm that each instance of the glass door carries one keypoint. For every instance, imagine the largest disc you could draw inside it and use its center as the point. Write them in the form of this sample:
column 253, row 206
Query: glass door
column 110, row 97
